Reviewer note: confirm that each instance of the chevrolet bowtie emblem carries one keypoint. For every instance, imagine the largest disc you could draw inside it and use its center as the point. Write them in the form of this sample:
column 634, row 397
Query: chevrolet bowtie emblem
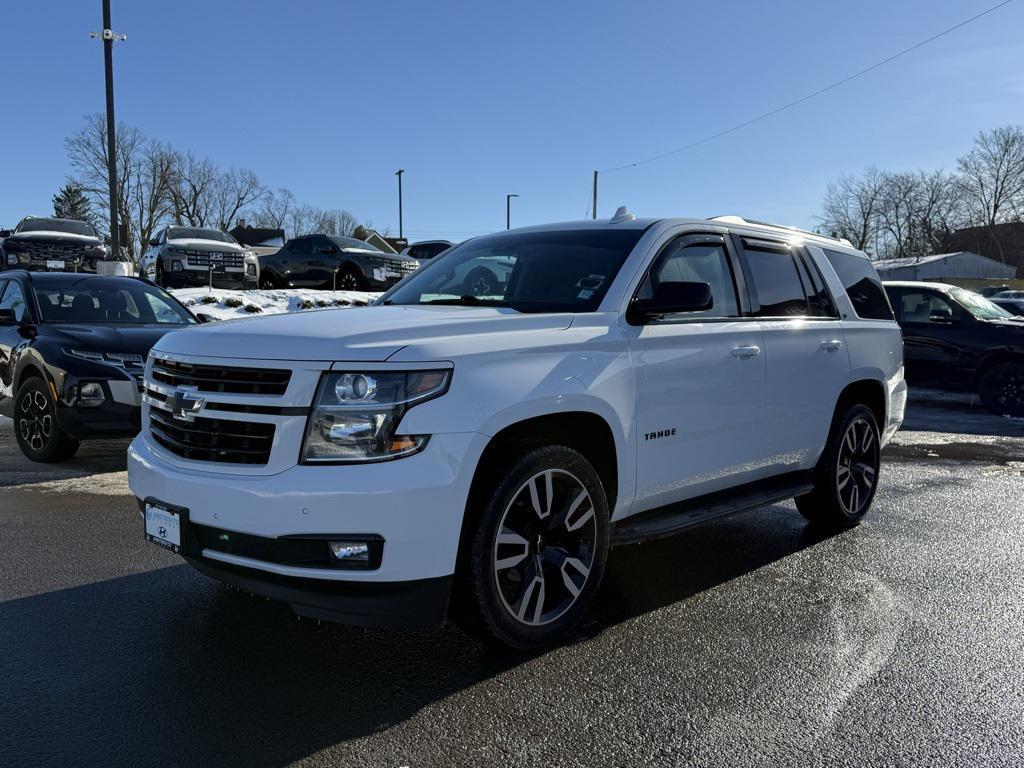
column 183, row 406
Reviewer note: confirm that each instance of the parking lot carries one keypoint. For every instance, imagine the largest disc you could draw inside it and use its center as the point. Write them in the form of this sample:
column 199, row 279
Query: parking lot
column 749, row 641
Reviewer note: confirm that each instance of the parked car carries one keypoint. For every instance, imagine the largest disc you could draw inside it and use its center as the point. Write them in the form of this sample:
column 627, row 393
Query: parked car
column 328, row 261
column 425, row 250
column 957, row 339
column 182, row 257
column 441, row 450
column 989, row 291
column 41, row 244
column 1009, row 295
column 72, row 354
column 1013, row 306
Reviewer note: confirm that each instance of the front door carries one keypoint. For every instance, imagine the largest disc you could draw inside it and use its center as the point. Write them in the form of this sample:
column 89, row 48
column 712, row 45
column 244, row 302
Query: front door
column 700, row 381
column 12, row 300
column 936, row 337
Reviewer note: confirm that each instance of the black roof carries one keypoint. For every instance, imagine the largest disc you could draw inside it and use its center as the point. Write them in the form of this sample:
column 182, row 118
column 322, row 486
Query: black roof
column 255, row 235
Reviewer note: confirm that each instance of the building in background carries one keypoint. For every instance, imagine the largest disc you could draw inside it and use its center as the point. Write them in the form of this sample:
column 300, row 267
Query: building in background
column 945, row 267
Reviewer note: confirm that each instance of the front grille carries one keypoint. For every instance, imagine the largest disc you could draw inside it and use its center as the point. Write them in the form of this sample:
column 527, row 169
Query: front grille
column 220, row 378
column 218, row 440
column 40, row 252
column 205, row 259
column 395, row 265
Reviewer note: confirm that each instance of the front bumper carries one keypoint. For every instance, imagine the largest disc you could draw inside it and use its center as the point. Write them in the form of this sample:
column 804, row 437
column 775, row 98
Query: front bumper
column 191, row 278
column 897, row 388
column 414, row 504
column 118, row 416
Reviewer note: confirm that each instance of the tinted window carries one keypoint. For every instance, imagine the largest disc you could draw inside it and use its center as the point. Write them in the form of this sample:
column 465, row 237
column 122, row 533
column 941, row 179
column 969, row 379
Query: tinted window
column 92, row 300
column 819, row 300
column 57, row 225
column 862, row 285
column 14, row 298
column 776, row 283
column 686, row 259
column 918, row 306
column 351, row 242
column 548, row 271
column 301, row 247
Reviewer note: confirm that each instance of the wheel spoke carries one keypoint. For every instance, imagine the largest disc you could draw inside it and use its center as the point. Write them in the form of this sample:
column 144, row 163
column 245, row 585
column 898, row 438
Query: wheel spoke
column 542, row 510
column 508, row 539
column 868, row 439
column 532, row 593
column 580, row 567
column 843, row 476
column 868, row 474
column 584, row 516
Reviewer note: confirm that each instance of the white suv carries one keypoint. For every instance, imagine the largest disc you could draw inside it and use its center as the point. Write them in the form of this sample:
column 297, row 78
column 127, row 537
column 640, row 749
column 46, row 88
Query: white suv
column 475, row 456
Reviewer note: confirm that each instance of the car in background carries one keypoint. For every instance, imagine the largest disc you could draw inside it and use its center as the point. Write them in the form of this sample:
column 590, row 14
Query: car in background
column 182, row 257
column 425, row 250
column 1008, row 295
column 73, row 350
column 46, row 244
column 1013, row 306
column 331, row 261
column 991, row 290
column 957, row 339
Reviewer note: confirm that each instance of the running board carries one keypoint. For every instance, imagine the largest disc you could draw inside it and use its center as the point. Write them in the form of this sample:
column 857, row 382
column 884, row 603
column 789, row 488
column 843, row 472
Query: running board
column 670, row 519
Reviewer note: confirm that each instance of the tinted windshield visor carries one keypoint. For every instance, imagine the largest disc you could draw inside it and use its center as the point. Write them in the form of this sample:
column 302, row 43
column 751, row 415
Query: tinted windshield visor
column 548, row 271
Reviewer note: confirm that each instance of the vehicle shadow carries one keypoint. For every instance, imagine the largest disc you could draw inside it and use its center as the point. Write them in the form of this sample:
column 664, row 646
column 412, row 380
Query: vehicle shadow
column 95, row 457
column 930, row 410
column 168, row 668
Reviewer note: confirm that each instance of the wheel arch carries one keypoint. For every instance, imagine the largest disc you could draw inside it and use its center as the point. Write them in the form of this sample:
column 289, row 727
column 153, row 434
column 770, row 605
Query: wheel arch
column 867, row 391
column 994, row 358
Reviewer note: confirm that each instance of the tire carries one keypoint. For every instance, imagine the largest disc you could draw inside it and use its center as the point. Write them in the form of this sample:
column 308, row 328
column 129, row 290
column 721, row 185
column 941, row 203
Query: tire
column 159, row 277
column 1002, row 389
column 35, row 424
column 480, row 282
column 268, row 282
column 350, row 279
column 528, row 587
column 846, row 477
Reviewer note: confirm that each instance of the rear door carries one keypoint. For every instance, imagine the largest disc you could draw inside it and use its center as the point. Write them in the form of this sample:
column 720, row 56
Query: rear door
column 805, row 350
column 700, row 380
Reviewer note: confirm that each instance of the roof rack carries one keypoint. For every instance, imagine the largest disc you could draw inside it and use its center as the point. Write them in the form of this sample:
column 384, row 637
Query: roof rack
column 733, row 219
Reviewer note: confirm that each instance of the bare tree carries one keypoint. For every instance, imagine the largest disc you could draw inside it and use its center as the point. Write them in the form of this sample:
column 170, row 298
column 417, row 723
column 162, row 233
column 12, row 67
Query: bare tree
column 941, row 208
column 851, row 208
column 275, row 208
column 992, row 175
column 232, row 192
column 191, row 190
column 150, row 202
column 302, row 220
column 334, row 221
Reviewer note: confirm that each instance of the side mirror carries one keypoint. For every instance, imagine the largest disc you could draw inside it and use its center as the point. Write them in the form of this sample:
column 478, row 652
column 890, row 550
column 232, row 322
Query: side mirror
column 7, row 317
column 202, row 317
column 5, row 233
column 941, row 316
column 671, row 298
column 154, row 243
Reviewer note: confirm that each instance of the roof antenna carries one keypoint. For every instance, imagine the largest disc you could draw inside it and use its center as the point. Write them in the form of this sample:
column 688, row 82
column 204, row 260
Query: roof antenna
column 622, row 215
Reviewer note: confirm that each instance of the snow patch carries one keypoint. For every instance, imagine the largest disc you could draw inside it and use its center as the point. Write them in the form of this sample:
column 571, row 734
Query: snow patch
column 230, row 305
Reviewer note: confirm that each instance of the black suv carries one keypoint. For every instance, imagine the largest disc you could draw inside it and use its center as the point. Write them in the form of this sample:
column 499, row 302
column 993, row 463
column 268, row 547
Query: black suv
column 47, row 244
column 325, row 261
column 72, row 354
column 956, row 339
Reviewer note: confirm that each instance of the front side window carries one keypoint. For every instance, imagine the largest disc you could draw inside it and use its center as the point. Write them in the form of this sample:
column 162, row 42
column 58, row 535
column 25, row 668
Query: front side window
column 926, row 307
column 90, row 300
column 548, row 271
column 862, row 285
column 14, row 299
column 696, row 259
column 776, row 282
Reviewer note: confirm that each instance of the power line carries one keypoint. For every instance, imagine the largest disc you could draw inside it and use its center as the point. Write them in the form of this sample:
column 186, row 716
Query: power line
column 811, row 95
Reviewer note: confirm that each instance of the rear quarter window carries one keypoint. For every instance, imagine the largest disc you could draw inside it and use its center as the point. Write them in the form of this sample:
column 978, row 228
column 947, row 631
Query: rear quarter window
column 862, row 285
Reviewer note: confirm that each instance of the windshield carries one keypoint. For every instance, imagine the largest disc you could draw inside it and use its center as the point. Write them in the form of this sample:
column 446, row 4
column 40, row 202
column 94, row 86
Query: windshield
column 550, row 271
column 197, row 233
column 978, row 305
column 352, row 242
column 57, row 225
column 97, row 300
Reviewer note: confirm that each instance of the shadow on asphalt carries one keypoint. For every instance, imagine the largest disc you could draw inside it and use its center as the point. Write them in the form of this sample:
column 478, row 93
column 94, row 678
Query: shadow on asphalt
column 194, row 673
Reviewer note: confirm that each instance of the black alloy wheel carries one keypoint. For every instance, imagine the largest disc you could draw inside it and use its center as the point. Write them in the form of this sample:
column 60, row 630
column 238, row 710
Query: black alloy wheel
column 35, row 424
column 1002, row 389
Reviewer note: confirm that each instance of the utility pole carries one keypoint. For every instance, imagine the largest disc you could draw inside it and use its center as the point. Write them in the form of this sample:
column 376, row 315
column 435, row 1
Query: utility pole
column 109, row 38
column 595, row 195
column 508, row 210
column 399, row 173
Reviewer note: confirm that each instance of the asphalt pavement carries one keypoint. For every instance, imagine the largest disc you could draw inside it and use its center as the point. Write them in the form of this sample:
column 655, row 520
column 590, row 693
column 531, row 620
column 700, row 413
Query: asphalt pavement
column 750, row 641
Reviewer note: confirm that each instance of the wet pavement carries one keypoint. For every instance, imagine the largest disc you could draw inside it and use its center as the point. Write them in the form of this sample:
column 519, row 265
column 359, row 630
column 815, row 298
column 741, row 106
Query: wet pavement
column 750, row 641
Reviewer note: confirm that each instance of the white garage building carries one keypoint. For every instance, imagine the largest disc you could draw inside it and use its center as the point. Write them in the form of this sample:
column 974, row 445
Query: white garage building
column 962, row 264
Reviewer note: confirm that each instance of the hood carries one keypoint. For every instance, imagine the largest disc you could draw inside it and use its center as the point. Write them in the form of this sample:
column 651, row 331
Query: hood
column 370, row 334
column 201, row 244
column 138, row 339
column 64, row 238
column 1010, row 323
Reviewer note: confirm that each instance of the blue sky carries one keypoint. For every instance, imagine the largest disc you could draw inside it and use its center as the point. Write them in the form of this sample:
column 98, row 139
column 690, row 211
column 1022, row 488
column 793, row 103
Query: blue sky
column 479, row 99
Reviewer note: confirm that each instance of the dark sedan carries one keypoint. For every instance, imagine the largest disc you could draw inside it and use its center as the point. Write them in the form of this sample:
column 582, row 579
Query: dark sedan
column 72, row 353
column 342, row 263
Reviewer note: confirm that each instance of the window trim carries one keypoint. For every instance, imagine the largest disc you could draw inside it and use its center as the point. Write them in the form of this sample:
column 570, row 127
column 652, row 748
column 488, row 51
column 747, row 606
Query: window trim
column 795, row 252
column 738, row 282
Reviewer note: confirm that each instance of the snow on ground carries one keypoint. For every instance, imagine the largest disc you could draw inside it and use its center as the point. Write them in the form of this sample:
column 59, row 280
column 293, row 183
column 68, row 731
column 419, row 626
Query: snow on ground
column 227, row 304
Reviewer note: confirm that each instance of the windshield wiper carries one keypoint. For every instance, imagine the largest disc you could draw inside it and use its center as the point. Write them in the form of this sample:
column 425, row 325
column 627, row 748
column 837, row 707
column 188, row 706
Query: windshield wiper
column 469, row 300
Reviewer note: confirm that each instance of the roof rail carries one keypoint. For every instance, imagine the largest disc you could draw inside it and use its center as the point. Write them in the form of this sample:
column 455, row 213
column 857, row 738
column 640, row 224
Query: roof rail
column 732, row 219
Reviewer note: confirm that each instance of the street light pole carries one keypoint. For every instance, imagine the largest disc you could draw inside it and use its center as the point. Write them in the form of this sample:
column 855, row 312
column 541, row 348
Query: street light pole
column 109, row 38
column 508, row 210
column 399, row 173
column 595, row 196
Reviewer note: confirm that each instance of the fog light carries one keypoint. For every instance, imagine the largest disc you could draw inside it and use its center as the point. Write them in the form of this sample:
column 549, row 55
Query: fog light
column 12, row 260
column 250, row 270
column 350, row 551
column 90, row 395
column 176, row 266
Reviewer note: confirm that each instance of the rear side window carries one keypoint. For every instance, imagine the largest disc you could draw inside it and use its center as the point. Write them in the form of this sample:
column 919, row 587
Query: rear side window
column 776, row 281
column 301, row 247
column 862, row 285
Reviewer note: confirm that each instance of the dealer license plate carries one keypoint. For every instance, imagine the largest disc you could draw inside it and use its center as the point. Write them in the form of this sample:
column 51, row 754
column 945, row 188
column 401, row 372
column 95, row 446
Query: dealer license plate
column 54, row 264
column 163, row 527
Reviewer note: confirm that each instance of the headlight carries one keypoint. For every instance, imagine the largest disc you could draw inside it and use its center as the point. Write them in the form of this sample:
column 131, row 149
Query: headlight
column 86, row 354
column 356, row 414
